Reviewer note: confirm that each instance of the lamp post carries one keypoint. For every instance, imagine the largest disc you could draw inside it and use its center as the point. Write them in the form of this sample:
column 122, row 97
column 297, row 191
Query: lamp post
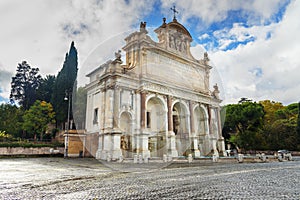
column 67, row 98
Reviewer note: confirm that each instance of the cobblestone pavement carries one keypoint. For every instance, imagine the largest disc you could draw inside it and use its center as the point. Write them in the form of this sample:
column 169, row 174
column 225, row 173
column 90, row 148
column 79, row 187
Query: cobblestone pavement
column 58, row 178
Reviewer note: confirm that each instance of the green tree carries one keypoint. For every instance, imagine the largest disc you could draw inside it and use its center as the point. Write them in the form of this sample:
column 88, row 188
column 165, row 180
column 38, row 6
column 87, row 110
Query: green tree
column 24, row 85
column 284, row 129
column 45, row 90
column 298, row 126
column 244, row 120
column 38, row 117
column 270, row 109
column 4, row 136
column 11, row 119
column 279, row 130
column 65, row 82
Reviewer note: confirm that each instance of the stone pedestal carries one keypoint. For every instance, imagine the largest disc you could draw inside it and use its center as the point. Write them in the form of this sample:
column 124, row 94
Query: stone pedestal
column 213, row 145
column 105, row 150
column 116, row 146
column 195, row 150
column 143, row 145
column 111, row 149
column 172, row 145
column 204, row 145
column 221, row 147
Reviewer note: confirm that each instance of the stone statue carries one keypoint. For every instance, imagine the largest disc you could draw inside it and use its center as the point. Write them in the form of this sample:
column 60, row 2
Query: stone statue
column 118, row 56
column 178, row 45
column 183, row 45
column 206, row 59
column 143, row 26
column 172, row 42
column 216, row 91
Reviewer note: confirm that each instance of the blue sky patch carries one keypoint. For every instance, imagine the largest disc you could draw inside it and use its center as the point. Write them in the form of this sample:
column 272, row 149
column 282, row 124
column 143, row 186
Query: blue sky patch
column 199, row 28
column 257, row 72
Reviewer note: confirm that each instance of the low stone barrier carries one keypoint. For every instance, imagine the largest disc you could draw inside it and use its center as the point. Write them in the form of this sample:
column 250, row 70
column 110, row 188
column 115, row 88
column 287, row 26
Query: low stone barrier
column 16, row 151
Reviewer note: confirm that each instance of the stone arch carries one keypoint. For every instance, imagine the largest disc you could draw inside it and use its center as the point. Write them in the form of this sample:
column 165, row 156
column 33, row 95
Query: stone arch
column 180, row 119
column 200, row 120
column 159, row 99
column 156, row 125
column 156, row 114
column 183, row 103
column 181, row 127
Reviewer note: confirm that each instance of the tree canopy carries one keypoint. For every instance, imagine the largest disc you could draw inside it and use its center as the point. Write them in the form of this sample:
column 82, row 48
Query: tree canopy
column 11, row 119
column 261, row 126
column 298, row 125
column 24, row 85
column 244, row 120
column 45, row 90
column 37, row 118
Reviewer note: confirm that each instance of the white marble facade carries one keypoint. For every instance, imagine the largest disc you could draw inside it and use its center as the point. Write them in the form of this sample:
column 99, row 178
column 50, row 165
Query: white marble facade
column 158, row 102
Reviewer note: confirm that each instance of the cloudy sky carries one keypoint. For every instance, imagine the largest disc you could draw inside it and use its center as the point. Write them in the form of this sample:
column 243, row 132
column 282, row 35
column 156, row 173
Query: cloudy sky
column 254, row 45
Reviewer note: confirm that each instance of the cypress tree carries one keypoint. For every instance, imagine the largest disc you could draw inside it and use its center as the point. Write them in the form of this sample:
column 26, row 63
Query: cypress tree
column 64, row 85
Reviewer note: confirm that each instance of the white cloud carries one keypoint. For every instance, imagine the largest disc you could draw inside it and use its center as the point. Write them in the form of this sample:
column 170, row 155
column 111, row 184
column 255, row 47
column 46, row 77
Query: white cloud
column 5, row 80
column 204, row 36
column 40, row 32
column 277, row 57
column 209, row 11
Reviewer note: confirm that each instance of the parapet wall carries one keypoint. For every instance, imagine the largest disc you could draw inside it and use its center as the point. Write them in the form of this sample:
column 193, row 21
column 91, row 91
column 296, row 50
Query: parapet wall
column 14, row 151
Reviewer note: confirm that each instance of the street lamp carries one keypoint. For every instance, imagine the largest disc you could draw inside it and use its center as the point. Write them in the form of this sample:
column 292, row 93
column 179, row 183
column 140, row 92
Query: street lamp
column 67, row 98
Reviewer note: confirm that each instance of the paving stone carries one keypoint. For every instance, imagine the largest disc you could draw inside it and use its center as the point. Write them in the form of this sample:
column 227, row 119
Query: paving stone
column 56, row 178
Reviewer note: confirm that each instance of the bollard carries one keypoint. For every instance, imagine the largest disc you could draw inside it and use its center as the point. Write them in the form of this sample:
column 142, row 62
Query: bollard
column 190, row 158
column 215, row 158
column 263, row 157
column 280, row 158
column 289, row 157
column 108, row 158
column 240, row 158
column 140, row 159
column 165, row 158
column 121, row 158
column 135, row 159
column 146, row 159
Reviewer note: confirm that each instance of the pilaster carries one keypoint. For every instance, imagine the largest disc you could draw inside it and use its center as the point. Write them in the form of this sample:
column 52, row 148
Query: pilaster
column 171, row 135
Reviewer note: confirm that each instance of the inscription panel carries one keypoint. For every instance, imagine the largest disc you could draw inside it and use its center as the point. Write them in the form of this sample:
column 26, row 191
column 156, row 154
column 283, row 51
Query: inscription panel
column 175, row 72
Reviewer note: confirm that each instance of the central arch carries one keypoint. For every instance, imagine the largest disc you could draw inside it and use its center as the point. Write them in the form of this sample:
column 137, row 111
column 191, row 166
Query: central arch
column 181, row 127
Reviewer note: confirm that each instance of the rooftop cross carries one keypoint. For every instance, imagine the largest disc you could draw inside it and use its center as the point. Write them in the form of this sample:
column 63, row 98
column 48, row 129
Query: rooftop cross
column 175, row 11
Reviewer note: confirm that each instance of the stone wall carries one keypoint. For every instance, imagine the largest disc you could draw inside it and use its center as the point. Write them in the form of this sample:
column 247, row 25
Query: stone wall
column 14, row 151
column 75, row 146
